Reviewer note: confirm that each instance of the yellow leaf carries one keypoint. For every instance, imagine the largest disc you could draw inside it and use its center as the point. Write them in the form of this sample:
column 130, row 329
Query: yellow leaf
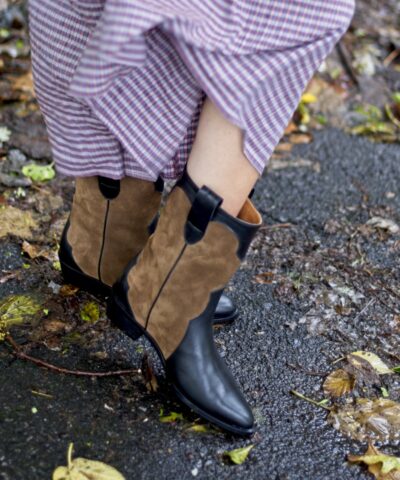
column 83, row 469
column 308, row 98
column 17, row 309
column 90, row 312
column 338, row 383
column 199, row 429
column 382, row 466
column 171, row 418
column 376, row 363
column 39, row 173
column 239, row 455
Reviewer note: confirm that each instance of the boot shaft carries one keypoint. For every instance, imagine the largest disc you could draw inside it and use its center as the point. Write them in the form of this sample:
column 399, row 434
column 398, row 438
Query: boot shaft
column 109, row 222
column 194, row 252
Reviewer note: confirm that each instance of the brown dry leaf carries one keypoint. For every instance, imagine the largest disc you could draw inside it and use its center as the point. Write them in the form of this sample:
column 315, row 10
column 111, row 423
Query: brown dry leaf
column 368, row 419
column 16, row 222
column 148, row 374
column 300, row 138
column 292, row 127
column 382, row 466
column 68, row 290
column 24, row 84
column 264, row 278
column 284, row 147
column 338, row 383
column 31, row 250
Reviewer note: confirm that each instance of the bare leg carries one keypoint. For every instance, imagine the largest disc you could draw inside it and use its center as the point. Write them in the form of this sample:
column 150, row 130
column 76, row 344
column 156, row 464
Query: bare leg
column 217, row 159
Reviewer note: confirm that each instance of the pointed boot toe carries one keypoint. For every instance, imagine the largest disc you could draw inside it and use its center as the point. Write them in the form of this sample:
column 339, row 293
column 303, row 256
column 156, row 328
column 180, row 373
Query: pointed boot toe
column 202, row 380
column 170, row 295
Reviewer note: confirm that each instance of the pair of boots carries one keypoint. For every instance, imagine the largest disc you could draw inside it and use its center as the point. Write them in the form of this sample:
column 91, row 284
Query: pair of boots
column 175, row 269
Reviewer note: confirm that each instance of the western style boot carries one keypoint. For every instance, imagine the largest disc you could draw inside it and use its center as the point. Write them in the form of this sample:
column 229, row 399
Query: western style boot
column 170, row 296
column 109, row 225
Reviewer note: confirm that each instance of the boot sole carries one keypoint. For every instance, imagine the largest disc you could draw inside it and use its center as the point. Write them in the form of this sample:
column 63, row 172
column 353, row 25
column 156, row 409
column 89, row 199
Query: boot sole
column 126, row 322
column 95, row 287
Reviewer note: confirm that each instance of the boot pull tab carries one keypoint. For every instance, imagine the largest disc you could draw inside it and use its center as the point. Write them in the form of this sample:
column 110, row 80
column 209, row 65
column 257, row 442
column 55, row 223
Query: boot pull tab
column 204, row 206
column 109, row 188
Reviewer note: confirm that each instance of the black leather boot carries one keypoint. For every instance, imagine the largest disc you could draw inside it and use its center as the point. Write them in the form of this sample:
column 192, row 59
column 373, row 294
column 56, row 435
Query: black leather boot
column 171, row 294
column 109, row 225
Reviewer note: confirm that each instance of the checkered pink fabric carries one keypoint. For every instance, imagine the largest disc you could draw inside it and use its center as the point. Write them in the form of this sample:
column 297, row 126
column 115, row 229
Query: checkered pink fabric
column 121, row 82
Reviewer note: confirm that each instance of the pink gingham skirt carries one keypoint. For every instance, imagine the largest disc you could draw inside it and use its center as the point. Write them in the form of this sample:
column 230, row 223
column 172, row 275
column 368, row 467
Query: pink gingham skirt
column 121, row 82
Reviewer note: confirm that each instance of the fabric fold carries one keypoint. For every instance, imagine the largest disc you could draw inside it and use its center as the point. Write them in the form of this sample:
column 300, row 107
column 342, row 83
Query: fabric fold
column 141, row 70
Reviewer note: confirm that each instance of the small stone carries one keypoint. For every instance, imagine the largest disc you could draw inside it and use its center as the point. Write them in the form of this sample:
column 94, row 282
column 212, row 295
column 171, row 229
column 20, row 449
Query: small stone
column 195, row 472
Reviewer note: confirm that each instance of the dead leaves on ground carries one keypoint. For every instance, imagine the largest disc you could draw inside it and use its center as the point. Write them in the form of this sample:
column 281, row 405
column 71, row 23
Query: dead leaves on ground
column 361, row 369
column 14, row 221
column 338, row 383
column 381, row 465
column 239, row 455
column 368, row 420
column 81, row 468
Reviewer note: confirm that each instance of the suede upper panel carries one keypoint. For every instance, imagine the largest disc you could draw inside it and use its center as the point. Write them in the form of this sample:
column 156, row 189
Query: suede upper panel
column 85, row 233
column 126, row 231
column 156, row 260
column 204, row 267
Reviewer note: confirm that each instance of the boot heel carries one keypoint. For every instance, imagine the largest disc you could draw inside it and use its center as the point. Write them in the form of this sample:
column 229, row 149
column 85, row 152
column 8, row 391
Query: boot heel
column 121, row 320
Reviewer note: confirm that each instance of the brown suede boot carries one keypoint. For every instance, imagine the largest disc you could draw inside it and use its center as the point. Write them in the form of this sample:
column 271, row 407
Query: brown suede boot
column 170, row 296
column 109, row 225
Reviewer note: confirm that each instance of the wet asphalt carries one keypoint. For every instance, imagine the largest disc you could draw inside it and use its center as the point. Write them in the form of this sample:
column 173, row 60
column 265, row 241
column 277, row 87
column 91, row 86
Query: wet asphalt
column 116, row 419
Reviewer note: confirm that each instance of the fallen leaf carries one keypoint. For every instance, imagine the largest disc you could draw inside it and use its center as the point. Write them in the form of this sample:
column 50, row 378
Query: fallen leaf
column 16, row 222
column 5, row 134
column 382, row 466
column 239, row 455
column 81, row 469
column 308, row 98
column 149, row 375
column 171, row 418
column 199, row 429
column 368, row 419
column 31, row 250
column 376, row 363
column 16, row 310
column 264, row 278
column 90, row 312
column 384, row 224
column 300, row 138
column 39, row 173
column 338, row 383
column 284, row 147
column 68, row 290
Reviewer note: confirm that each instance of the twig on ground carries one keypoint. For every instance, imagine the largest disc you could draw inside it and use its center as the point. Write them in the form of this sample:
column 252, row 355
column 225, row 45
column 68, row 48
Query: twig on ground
column 364, row 309
column 309, row 400
column 81, row 373
column 9, row 276
column 392, row 56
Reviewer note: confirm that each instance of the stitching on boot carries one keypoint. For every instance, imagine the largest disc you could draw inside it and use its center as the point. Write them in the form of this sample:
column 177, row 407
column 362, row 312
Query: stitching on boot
column 103, row 240
column 164, row 283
